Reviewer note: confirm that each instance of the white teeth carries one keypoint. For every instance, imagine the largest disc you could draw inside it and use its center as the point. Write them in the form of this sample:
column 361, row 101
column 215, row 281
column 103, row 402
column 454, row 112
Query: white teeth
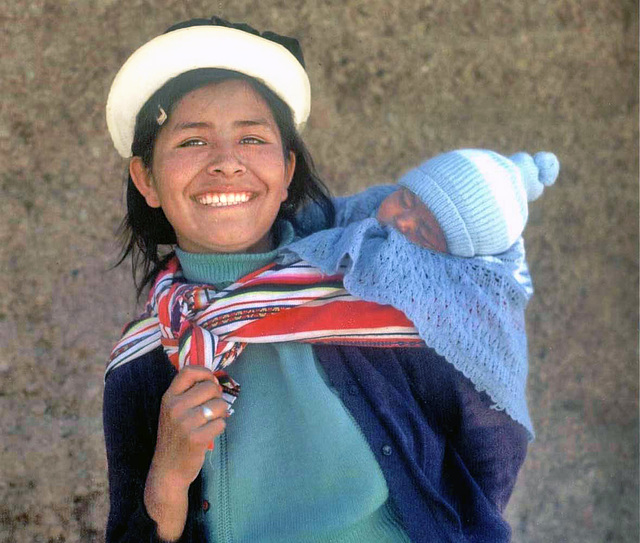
column 223, row 199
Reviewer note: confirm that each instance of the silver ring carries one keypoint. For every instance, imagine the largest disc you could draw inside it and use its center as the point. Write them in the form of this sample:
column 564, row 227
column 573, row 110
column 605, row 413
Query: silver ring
column 207, row 413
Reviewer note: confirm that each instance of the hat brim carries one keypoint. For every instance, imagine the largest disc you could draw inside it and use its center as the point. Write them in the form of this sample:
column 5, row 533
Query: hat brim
column 180, row 51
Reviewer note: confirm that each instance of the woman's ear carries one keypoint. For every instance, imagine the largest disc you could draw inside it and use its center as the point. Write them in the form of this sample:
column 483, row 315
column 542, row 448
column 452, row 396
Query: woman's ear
column 290, row 167
column 143, row 180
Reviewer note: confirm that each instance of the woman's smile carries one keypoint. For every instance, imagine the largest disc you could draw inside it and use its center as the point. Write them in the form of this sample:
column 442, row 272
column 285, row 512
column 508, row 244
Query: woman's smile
column 223, row 199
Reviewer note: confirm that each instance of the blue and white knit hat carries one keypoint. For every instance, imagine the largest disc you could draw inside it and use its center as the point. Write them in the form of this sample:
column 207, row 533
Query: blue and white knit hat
column 480, row 197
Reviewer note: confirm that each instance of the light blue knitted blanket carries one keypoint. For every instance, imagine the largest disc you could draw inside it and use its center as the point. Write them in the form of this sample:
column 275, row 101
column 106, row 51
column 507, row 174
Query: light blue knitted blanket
column 470, row 310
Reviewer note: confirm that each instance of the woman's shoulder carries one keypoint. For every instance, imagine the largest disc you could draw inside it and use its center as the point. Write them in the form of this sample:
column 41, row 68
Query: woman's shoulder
column 348, row 209
column 150, row 373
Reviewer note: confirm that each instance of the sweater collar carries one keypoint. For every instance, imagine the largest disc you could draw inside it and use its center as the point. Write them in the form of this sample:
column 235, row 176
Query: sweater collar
column 220, row 268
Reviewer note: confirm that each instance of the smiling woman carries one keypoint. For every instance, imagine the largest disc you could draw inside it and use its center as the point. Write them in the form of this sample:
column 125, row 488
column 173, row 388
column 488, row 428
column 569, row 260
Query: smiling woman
column 146, row 226
column 360, row 345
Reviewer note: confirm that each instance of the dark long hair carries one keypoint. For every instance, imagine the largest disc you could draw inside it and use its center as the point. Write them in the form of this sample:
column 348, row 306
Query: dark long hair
column 145, row 229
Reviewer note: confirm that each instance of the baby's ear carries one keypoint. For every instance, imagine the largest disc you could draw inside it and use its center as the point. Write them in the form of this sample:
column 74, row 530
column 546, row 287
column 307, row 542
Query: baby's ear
column 538, row 172
column 143, row 180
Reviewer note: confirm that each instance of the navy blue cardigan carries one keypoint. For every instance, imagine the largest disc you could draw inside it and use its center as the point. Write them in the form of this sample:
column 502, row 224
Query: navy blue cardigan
column 450, row 461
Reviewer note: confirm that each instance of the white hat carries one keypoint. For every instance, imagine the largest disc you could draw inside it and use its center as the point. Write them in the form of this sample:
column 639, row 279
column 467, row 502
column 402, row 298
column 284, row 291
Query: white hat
column 208, row 46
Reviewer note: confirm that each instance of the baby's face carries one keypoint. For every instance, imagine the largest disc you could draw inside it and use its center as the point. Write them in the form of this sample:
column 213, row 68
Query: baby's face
column 406, row 213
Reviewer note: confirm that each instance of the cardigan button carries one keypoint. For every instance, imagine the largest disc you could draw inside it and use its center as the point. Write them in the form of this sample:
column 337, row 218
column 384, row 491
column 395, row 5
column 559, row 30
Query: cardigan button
column 353, row 390
column 205, row 505
column 387, row 450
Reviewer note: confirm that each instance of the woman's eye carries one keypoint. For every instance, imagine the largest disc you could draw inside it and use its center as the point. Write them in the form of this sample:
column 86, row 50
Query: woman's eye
column 251, row 139
column 191, row 143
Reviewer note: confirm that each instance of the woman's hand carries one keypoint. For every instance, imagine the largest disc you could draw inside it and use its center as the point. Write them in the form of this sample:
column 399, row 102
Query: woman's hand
column 185, row 430
column 406, row 213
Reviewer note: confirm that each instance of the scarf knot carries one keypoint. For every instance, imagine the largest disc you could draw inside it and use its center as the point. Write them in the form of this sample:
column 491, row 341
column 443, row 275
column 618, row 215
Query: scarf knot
column 199, row 325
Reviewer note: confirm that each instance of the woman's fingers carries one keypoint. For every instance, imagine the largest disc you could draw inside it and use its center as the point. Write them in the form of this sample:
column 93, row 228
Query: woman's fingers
column 202, row 423
column 193, row 386
column 199, row 403
column 180, row 422
column 206, row 412
column 189, row 376
column 202, row 392
column 204, row 435
column 192, row 414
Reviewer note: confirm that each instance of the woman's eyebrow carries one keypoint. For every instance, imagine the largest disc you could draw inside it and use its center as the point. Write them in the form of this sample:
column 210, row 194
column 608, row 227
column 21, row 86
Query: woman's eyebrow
column 254, row 122
column 203, row 124
column 188, row 125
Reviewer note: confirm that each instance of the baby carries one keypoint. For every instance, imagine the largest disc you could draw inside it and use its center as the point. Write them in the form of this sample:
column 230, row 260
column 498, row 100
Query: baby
column 465, row 203
column 468, row 202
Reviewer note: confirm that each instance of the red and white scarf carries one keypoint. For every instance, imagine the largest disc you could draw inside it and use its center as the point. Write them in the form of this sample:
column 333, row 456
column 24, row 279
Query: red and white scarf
column 200, row 325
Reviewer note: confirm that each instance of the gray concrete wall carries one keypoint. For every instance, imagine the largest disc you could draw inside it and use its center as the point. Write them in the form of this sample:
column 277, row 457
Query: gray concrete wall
column 393, row 83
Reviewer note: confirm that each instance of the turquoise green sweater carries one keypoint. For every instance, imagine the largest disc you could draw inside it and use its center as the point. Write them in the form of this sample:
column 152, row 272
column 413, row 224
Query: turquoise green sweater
column 292, row 465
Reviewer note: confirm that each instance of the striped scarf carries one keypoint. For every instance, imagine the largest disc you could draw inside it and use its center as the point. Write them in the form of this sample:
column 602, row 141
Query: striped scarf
column 199, row 325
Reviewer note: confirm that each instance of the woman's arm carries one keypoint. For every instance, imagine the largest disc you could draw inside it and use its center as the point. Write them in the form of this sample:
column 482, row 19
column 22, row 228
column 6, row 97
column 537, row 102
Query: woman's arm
column 490, row 444
column 184, row 435
column 147, row 411
column 130, row 418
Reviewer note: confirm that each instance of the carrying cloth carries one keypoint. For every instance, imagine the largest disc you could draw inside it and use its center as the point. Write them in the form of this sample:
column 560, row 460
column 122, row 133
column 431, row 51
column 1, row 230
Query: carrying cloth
column 469, row 310
column 200, row 325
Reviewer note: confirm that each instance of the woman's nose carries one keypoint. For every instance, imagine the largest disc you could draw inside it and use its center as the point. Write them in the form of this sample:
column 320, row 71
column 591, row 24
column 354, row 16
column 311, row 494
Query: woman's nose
column 224, row 161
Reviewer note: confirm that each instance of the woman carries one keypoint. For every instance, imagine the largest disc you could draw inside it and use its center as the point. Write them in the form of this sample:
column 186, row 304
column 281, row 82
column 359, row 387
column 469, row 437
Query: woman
column 348, row 428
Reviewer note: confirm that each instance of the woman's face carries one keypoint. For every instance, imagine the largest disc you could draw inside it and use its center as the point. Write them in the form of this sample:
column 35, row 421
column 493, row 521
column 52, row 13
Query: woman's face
column 218, row 170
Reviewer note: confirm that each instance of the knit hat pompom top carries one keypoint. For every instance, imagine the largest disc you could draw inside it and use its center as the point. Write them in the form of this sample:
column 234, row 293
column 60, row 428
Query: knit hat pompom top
column 538, row 172
column 480, row 197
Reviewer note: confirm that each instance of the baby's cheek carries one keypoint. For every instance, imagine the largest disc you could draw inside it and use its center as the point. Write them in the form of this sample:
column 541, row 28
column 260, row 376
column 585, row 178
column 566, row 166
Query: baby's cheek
column 389, row 209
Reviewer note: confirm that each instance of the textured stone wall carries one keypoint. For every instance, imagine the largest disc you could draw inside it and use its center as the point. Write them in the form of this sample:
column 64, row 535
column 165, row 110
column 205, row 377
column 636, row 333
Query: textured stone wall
column 393, row 83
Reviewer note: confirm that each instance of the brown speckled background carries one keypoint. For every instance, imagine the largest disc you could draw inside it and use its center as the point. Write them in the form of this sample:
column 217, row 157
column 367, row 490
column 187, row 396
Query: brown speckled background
column 393, row 83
